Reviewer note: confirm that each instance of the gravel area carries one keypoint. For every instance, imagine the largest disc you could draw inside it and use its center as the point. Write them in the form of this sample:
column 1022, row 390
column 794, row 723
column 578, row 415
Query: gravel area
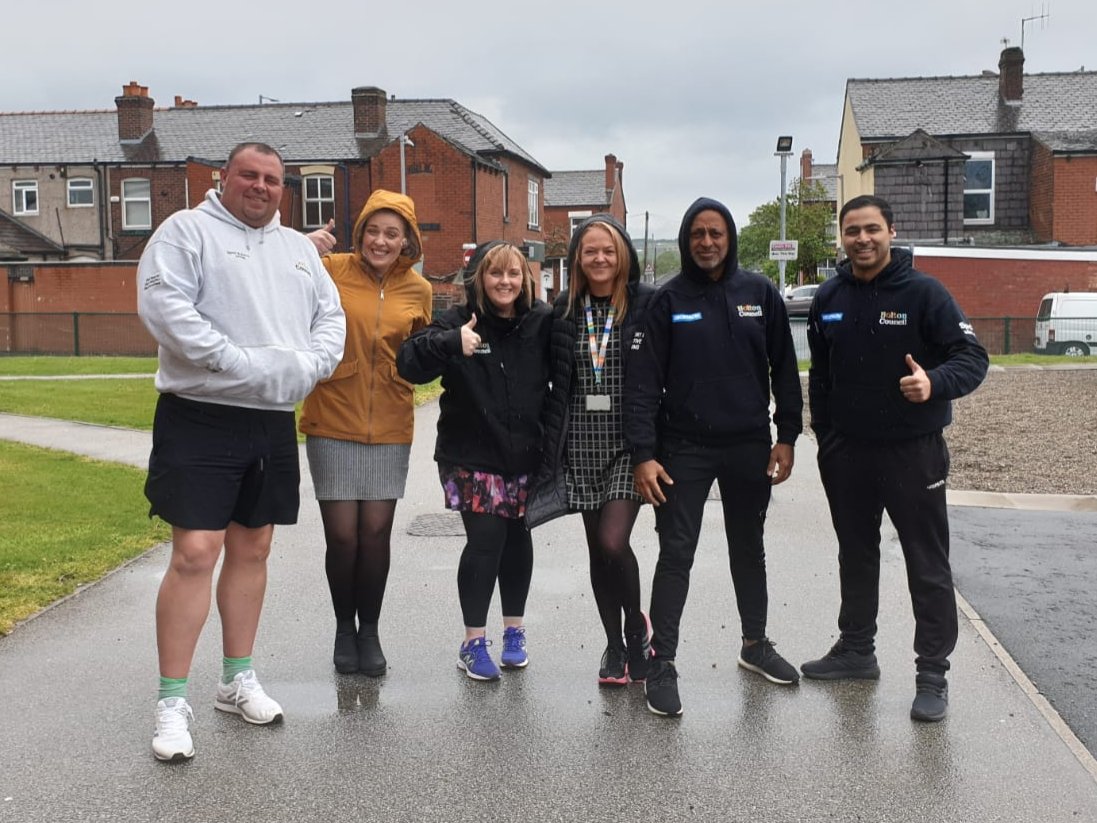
column 1025, row 430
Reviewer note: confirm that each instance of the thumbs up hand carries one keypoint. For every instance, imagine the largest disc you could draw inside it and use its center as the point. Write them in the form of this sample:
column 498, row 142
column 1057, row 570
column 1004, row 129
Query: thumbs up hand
column 916, row 386
column 323, row 238
column 470, row 340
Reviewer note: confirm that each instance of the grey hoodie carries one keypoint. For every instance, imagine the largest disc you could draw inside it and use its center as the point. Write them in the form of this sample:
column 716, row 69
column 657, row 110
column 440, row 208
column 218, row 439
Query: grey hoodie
column 244, row 317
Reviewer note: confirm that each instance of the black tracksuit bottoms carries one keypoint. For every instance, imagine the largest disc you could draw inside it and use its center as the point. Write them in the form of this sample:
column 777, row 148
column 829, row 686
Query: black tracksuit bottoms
column 906, row 478
column 740, row 470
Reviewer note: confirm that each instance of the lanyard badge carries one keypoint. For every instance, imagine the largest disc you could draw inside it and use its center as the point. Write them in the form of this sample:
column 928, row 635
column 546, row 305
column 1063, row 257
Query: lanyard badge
column 597, row 353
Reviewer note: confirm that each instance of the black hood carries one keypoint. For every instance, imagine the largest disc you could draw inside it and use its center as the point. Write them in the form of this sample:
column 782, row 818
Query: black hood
column 731, row 263
column 580, row 230
column 468, row 277
column 898, row 270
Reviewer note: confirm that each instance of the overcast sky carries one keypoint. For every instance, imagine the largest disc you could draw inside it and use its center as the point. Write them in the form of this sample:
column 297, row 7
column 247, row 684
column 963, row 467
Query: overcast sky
column 690, row 94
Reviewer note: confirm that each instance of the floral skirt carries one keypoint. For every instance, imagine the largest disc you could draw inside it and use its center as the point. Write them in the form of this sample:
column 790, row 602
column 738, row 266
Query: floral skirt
column 484, row 493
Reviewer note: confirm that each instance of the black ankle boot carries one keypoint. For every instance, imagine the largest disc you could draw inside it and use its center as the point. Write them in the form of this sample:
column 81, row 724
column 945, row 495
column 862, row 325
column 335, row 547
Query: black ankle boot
column 345, row 657
column 371, row 660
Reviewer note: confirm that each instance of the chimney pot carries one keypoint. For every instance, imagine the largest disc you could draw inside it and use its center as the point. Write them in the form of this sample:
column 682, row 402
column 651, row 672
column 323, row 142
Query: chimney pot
column 134, row 112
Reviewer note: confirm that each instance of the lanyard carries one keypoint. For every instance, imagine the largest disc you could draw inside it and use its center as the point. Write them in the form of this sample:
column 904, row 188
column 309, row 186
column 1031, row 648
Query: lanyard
column 597, row 354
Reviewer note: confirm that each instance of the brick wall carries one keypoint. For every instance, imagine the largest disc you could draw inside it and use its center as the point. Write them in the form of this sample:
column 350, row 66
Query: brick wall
column 1075, row 200
column 168, row 192
column 1041, row 212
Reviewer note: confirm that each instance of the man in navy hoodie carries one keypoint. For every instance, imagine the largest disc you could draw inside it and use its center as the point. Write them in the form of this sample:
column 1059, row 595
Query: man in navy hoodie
column 715, row 343
column 890, row 350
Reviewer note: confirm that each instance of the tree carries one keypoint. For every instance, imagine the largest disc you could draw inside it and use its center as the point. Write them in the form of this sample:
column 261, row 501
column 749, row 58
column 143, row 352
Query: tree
column 808, row 217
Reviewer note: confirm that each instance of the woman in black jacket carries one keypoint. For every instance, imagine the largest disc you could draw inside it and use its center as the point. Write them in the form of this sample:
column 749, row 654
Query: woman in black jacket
column 492, row 356
column 588, row 467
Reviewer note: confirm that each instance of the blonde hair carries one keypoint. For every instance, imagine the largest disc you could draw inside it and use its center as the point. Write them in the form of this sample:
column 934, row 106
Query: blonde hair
column 580, row 286
column 501, row 254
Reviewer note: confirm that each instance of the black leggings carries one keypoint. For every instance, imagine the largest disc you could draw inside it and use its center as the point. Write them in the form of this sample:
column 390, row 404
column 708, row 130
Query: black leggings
column 498, row 548
column 358, row 535
column 614, row 572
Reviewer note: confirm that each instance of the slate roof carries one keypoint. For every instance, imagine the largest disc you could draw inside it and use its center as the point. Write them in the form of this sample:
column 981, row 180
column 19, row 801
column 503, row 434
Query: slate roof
column 303, row 132
column 826, row 175
column 577, row 188
column 890, row 109
column 19, row 238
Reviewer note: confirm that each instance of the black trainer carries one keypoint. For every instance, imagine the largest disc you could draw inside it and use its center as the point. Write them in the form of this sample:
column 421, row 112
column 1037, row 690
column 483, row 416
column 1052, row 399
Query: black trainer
column 661, row 688
column 762, row 658
column 841, row 663
column 639, row 651
column 614, row 668
column 930, row 698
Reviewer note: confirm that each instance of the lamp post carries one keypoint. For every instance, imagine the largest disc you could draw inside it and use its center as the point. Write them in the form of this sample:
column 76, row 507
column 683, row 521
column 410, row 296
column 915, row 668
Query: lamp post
column 784, row 151
column 404, row 141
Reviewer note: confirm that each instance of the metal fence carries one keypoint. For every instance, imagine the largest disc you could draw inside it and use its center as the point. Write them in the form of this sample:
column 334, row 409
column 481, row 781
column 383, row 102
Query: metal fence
column 99, row 333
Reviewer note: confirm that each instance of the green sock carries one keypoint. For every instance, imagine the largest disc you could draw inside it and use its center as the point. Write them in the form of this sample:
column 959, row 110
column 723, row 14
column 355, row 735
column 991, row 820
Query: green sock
column 232, row 666
column 173, row 687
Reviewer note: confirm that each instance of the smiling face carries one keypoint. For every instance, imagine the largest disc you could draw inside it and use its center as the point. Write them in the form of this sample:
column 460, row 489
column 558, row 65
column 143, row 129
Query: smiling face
column 502, row 284
column 866, row 239
column 709, row 242
column 384, row 238
column 598, row 259
column 251, row 187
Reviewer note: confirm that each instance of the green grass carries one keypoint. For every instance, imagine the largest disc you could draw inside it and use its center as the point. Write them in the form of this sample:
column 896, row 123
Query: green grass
column 127, row 402
column 1032, row 359
column 68, row 520
column 52, row 366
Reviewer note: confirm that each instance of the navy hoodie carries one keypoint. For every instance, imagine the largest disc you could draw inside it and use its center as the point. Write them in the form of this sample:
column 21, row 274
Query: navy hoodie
column 709, row 354
column 860, row 334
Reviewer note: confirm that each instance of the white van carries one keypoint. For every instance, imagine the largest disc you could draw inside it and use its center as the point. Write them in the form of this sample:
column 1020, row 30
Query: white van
column 1067, row 324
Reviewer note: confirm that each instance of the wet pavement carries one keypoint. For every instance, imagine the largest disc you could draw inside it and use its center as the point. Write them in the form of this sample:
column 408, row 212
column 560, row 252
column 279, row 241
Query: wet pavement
column 424, row 743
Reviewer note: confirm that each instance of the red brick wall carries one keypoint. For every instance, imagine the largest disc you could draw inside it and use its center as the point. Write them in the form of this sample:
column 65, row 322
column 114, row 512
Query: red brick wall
column 168, row 193
column 1041, row 185
column 1075, row 200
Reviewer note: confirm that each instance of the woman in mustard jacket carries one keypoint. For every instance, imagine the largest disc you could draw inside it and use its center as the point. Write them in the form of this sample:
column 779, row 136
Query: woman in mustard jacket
column 358, row 423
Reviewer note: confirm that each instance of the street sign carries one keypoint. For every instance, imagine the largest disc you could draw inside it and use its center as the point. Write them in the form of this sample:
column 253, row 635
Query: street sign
column 784, row 249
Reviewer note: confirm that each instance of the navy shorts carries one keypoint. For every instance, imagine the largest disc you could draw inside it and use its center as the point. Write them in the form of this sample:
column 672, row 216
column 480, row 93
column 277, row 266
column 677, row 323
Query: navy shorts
column 212, row 465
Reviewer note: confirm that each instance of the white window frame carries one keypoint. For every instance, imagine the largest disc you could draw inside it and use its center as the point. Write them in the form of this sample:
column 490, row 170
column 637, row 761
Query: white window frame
column 317, row 199
column 20, row 189
column 129, row 198
column 575, row 218
column 506, row 197
column 533, row 203
column 82, row 184
column 981, row 156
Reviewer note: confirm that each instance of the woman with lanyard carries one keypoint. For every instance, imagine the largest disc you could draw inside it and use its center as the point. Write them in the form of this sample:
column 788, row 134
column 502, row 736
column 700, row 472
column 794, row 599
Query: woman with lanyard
column 587, row 464
column 492, row 356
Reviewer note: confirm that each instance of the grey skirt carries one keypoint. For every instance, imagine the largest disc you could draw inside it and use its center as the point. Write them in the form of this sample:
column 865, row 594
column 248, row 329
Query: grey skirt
column 346, row 470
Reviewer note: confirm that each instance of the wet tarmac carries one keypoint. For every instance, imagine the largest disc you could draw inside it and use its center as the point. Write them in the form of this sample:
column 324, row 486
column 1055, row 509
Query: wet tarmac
column 424, row 743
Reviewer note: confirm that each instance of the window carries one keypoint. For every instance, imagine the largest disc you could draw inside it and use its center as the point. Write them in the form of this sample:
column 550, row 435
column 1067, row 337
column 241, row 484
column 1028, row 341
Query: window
column 24, row 196
column 136, row 204
column 81, row 192
column 506, row 197
column 979, row 188
column 534, row 216
column 319, row 200
column 575, row 218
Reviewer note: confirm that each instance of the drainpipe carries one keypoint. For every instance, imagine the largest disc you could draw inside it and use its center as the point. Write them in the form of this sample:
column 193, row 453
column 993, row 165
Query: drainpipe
column 348, row 227
column 104, row 207
column 472, row 168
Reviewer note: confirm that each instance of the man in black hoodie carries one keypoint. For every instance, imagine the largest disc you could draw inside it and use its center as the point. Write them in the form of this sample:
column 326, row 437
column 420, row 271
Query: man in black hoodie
column 715, row 343
column 890, row 350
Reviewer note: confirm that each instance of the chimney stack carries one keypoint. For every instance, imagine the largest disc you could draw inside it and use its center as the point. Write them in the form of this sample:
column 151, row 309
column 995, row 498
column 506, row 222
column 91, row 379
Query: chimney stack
column 182, row 103
column 369, row 111
column 1010, row 76
column 806, row 165
column 612, row 167
column 134, row 112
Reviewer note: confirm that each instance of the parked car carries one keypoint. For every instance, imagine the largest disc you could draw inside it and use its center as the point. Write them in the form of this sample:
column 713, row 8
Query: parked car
column 1066, row 323
column 798, row 301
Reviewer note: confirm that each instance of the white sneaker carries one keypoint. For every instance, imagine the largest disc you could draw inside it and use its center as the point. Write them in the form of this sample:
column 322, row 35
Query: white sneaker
column 171, row 740
column 245, row 697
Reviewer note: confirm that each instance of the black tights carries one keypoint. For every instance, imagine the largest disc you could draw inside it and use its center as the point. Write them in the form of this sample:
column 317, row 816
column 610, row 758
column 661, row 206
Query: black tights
column 358, row 534
column 498, row 548
column 614, row 572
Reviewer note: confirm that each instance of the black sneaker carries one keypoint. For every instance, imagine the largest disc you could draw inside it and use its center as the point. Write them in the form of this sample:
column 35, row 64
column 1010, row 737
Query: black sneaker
column 613, row 671
column 762, row 658
column 841, row 663
column 930, row 698
column 661, row 688
column 639, row 651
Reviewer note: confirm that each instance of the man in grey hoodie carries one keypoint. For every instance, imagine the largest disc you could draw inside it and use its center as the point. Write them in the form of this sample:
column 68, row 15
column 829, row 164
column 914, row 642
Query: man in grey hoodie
column 247, row 321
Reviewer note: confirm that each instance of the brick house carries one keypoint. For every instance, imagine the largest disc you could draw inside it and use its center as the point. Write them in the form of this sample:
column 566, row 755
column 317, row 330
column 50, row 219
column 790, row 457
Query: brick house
column 570, row 198
column 991, row 159
column 93, row 185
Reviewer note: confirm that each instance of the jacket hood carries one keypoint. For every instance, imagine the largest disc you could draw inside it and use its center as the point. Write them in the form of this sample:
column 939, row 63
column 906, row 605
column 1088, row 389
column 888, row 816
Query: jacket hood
column 895, row 272
column 402, row 205
column 731, row 263
column 213, row 206
column 580, row 230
